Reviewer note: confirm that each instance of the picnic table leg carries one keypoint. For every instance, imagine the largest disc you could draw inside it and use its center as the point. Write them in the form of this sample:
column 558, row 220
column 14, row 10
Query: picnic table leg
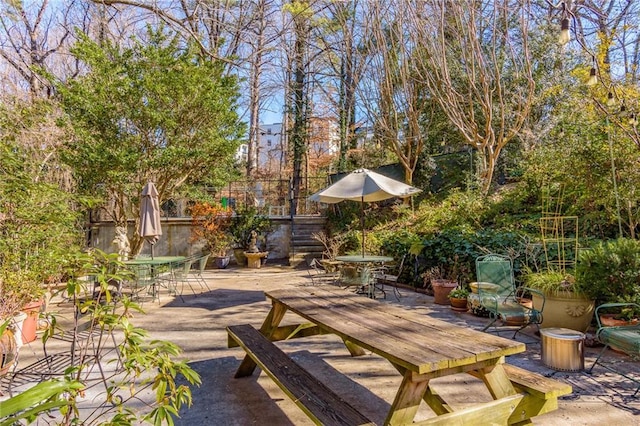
column 496, row 380
column 271, row 322
column 435, row 401
column 431, row 397
column 407, row 400
column 354, row 349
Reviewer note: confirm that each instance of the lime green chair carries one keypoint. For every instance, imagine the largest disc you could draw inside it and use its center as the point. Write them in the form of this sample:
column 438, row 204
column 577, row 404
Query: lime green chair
column 625, row 338
column 500, row 296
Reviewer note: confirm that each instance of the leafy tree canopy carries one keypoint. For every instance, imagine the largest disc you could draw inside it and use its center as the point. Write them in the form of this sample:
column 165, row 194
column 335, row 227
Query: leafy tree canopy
column 153, row 111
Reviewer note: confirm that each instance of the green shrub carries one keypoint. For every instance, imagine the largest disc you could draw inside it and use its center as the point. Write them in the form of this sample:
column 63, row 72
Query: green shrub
column 459, row 293
column 459, row 208
column 459, row 247
column 244, row 221
column 610, row 271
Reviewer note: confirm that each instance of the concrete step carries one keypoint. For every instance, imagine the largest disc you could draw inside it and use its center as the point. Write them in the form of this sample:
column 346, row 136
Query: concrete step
column 308, row 249
column 303, row 246
column 307, row 231
column 303, row 240
column 303, row 258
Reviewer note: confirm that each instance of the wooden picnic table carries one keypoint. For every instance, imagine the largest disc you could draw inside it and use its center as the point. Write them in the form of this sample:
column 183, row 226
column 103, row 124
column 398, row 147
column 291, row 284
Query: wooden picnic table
column 421, row 348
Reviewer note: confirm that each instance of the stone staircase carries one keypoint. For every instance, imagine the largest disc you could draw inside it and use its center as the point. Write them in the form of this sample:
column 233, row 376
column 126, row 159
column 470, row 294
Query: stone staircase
column 303, row 246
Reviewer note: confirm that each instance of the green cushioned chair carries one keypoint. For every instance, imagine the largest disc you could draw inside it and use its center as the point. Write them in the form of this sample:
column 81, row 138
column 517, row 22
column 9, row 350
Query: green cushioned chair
column 500, row 297
column 624, row 338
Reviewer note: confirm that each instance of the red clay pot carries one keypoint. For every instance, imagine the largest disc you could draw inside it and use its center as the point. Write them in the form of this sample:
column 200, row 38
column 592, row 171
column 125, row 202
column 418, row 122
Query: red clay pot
column 441, row 290
column 30, row 324
column 609, row 320
column 458, row 305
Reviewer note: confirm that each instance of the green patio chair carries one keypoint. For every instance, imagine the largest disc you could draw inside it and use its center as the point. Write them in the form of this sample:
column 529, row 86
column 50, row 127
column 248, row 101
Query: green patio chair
column 501, row 298
column 197, row 270
column 144, row 283
column 624, row 338
column 320, row 275
column 359, row 277
column 183, row 275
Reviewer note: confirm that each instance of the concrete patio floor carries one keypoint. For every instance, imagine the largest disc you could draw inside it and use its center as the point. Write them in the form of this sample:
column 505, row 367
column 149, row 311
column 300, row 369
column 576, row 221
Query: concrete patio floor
column 197, row 324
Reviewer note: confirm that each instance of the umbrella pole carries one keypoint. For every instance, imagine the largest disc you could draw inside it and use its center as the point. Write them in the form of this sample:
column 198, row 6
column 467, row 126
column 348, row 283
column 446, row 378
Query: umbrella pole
column 152, row 250
column 362, row 222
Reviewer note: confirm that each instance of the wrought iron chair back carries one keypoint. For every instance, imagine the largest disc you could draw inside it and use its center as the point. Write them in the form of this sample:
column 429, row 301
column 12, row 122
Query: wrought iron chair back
column 500, row 296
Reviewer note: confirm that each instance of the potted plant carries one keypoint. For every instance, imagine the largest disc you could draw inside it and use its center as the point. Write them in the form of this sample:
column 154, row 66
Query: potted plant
column 211, row 223
column 243, row 222
column 21, row 296
column 618, row 317
column 565, row 304
column 442, row 282
column 38, row 230
column 458, row 299
column 609, row 272
column 8, row 347
column 10, row 326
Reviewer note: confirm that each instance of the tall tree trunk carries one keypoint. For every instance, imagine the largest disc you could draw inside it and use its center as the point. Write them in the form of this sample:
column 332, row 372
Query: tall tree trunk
column 299, row 123
column 254, row 101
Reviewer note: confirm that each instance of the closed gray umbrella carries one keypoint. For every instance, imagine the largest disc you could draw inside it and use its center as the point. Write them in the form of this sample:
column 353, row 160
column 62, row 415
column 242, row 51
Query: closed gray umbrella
column 363, row 185
column 150, row 228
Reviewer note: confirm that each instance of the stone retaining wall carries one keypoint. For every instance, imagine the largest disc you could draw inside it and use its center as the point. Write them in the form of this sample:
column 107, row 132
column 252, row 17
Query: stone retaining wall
column 176, row 233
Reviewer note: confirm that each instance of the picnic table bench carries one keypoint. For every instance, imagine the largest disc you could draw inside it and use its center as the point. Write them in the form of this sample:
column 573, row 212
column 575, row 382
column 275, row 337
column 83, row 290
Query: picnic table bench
column 421, row 348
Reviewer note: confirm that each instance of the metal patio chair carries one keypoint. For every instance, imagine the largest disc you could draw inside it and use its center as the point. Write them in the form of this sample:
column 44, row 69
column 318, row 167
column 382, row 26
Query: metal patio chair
column 383, row 275
column 501, row 298
column 197, row 270
column 624, row 338
column 320, row 275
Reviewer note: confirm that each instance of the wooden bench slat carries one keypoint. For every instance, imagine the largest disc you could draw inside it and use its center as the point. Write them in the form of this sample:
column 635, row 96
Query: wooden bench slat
column 494, row 412
column 286, row 332
column 319, row 402
column 535, row 384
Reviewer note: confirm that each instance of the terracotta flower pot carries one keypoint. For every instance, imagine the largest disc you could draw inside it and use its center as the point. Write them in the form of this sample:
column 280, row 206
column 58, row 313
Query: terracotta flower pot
column 441, row 290
column 458, row 305
column 610, row 320
column 30, row 324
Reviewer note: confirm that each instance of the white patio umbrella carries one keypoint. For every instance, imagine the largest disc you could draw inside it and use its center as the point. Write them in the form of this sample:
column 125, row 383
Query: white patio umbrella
column 150, row 228
column 364, row 186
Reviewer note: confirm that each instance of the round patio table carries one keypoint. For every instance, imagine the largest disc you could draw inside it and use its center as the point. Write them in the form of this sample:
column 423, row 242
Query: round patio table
column 367, row 258
column 363, row 273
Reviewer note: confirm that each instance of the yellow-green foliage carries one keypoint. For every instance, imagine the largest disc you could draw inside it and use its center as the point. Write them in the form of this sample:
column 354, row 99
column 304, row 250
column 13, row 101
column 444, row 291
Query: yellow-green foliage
column 459, row 208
